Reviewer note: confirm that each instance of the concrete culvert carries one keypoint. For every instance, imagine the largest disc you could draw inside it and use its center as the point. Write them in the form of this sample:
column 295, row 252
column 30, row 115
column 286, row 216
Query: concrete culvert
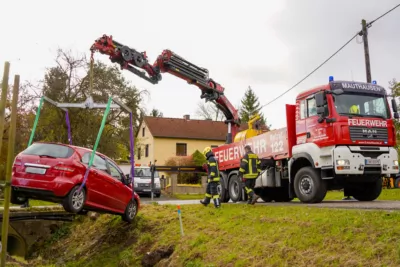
column 16, row 246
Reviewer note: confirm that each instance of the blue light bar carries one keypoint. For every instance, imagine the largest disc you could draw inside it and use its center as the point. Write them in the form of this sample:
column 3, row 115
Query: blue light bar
column 374, row 82
column 331, row 78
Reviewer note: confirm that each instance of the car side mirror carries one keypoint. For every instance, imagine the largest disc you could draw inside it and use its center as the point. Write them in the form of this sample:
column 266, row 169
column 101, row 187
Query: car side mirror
column 127, row 180
column 394, row 105
column 396, row 115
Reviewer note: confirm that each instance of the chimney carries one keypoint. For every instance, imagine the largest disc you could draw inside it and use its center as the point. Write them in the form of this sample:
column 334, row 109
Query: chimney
column 186, row 117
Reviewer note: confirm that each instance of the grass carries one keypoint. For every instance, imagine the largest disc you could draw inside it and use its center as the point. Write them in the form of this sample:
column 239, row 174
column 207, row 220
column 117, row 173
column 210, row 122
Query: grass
column 387, row 194
column 235, row 235
column 32, row 203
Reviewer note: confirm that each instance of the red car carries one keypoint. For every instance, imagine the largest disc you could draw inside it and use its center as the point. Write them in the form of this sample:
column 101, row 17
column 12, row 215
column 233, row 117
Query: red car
column 54, row 172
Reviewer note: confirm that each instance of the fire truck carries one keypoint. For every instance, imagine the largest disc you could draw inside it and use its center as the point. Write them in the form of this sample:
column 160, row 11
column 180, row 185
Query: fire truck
column 339, row 135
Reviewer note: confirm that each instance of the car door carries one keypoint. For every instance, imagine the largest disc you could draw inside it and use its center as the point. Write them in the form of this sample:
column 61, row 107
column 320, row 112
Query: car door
column 122, row 192
column 95, row 179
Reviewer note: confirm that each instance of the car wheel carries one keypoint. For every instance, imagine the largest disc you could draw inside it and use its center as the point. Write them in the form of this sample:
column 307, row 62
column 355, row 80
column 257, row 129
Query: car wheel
column 15, row 199
column 75, row 200
column 158, row 195
column 130, row 211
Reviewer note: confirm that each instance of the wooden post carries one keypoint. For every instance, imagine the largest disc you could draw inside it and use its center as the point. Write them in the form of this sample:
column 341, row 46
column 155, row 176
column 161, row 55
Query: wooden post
column 364, row 33
column 10, row 161
column 3, row 100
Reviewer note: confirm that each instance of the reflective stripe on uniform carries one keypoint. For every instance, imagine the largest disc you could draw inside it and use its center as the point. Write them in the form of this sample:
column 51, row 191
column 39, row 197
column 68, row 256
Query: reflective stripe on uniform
column 216, row 179
column 213, row 164
column 208, row 195
column 215, row 196
column 248, row 190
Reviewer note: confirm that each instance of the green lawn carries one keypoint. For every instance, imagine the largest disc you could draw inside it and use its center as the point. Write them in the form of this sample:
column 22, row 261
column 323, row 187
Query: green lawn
column 32, row 203
column 387, row 194
column 235, row 235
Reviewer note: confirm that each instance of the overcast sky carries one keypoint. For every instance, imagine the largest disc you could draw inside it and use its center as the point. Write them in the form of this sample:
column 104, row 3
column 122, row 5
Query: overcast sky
column 269, row 45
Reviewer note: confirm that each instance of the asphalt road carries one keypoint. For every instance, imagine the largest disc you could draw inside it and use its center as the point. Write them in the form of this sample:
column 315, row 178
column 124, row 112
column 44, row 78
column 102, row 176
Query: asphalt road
column 340, row 204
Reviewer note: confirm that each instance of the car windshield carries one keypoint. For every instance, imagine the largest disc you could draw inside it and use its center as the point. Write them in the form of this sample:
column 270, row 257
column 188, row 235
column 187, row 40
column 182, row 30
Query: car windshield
column 49, row 150
column 144, row 173
column 362, row 105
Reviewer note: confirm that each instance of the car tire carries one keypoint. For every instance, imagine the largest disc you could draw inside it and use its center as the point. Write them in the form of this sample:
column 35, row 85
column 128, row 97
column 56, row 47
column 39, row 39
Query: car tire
column 130, row 211
column 75, row 200
column 308, row 186
column 15, row 199
column 158, row 195
column 235, row 188
column 368, row 191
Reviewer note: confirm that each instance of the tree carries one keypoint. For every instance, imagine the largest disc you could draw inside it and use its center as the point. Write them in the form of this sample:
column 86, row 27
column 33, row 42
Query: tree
column 249, row 107
column 156, row 113
column 68, row 82
column 209, row 111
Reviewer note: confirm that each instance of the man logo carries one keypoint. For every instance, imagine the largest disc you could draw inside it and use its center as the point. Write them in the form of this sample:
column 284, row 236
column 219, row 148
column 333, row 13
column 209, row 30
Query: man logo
column 369, row 131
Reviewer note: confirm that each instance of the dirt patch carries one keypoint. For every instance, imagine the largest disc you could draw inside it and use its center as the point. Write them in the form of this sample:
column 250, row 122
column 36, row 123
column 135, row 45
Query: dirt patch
column 152, row 258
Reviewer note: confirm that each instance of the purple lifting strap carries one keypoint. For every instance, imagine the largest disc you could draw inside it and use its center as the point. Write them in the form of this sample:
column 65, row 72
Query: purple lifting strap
column 69, row 127
column 132, row 152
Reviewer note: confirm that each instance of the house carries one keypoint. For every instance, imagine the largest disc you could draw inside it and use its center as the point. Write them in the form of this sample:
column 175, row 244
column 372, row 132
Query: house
column 163, row 138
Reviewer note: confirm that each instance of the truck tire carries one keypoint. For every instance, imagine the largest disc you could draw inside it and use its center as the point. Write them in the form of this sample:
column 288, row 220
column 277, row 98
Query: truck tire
column 308, row 186
column 368, row 191
column 223, row 191
column 397, row 183
column 235, row 188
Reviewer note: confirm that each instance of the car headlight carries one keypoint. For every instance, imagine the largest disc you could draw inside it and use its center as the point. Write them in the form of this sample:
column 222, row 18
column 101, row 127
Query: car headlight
column 158, row 185
column 342, row 162
column 395, row 162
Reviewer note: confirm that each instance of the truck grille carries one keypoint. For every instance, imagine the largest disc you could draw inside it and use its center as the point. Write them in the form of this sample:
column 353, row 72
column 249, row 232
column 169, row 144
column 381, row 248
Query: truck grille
column 364, row 133
column 143, row 185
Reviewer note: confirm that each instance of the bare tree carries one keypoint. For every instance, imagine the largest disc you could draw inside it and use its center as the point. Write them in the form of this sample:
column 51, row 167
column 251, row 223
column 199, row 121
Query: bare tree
column 209, row 111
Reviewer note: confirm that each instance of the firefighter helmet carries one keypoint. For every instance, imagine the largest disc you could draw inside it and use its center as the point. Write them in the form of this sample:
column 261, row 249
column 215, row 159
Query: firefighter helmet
column 206, row 150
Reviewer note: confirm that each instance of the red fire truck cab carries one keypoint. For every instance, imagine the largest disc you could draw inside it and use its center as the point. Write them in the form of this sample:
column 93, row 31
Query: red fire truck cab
column 338, row 136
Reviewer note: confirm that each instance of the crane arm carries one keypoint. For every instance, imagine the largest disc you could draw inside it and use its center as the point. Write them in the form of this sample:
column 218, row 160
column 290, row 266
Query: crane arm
column 169, row 62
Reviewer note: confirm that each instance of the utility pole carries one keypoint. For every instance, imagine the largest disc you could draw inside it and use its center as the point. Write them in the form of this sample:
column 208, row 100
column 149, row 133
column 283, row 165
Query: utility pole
column 364, row 34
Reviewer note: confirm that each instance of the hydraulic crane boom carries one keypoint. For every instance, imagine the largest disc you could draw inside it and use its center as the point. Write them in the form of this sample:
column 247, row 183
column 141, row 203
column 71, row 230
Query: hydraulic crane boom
column 169, row 62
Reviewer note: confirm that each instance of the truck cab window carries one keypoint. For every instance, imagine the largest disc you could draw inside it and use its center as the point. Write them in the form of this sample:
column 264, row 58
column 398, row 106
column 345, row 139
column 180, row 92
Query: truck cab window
column 302, row 110
column 311, row 107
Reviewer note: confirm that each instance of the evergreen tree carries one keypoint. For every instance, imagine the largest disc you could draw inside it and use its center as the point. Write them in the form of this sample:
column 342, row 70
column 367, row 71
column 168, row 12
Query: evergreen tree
column 156, row 113
column 249, row 106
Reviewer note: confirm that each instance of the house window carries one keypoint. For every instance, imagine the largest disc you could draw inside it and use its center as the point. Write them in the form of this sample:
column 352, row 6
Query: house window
column 139, row 151
column 143, row 130
column 147, row 151
column 181, row 149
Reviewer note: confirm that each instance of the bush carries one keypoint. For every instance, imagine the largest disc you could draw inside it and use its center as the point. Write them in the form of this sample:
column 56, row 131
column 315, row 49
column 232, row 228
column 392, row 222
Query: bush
column 196, row 159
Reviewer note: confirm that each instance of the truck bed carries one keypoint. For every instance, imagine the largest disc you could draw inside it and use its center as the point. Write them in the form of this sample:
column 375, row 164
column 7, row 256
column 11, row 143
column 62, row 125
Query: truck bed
column 275, row 144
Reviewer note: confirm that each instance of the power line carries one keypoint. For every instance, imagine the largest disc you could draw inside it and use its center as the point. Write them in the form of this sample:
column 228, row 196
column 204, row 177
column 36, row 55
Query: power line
column 308, row 75
column 381, row 16
column 323, row 63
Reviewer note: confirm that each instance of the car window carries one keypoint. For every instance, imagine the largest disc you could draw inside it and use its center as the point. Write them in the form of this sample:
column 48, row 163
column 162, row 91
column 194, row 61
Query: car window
column 98, row 162
column 51, row 150
column 115, row 173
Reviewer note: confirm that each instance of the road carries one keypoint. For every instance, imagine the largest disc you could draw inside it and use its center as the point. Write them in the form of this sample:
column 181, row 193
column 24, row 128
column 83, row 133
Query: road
column 340, row 204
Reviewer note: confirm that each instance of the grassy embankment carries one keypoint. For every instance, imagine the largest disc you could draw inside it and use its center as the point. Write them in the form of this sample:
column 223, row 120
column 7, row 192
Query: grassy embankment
column 32, row 203
column 236, row 235
column 387, row 194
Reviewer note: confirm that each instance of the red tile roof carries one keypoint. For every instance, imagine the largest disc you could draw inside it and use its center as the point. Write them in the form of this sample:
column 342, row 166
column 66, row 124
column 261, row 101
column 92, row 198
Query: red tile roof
column 188, row 129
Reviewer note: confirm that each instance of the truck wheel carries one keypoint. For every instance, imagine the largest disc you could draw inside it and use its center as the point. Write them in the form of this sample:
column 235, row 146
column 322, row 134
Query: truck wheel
column 397, row 183
column 222, row 191
column 368, row 191
column 308, row 186
column 235, row 188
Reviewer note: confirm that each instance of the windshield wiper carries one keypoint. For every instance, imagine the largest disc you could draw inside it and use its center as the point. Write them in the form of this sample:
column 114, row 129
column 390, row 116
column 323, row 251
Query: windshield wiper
column 363, row 115
column 47, row 156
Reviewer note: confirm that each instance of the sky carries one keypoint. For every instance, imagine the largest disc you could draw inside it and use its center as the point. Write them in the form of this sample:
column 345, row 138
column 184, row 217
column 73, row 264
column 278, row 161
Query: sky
column 268, row 45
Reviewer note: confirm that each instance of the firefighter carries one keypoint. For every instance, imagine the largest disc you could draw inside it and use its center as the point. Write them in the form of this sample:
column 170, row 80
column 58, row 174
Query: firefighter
column 250, row 168
column 354, row 110
column 212, row 180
